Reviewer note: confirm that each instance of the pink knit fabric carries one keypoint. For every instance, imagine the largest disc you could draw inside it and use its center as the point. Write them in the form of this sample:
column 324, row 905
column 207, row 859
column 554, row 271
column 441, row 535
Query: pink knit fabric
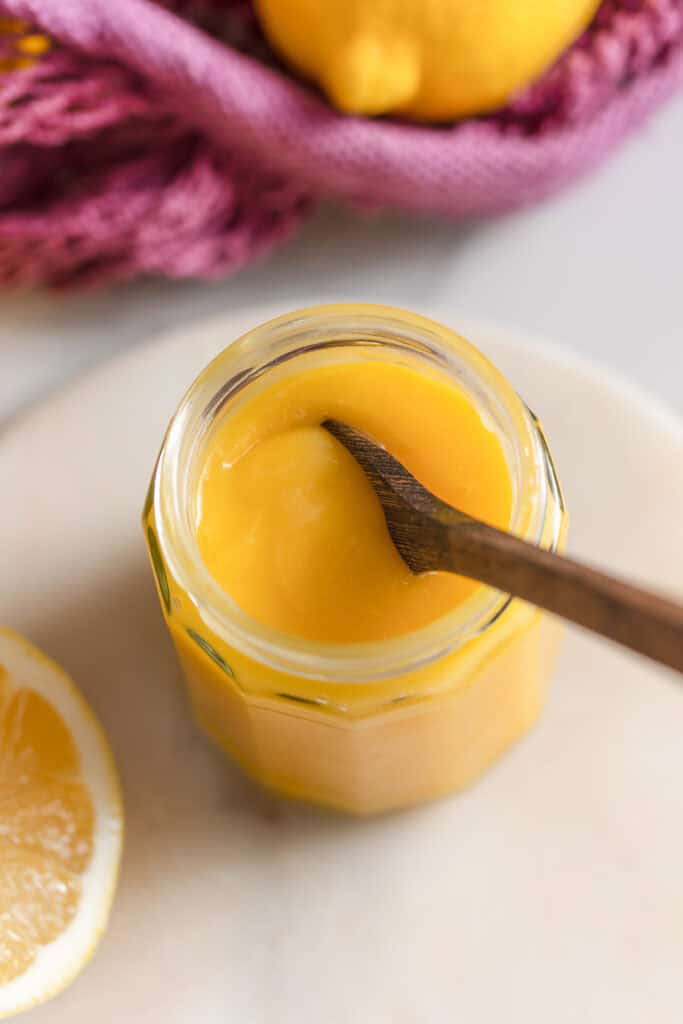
column 147, row 142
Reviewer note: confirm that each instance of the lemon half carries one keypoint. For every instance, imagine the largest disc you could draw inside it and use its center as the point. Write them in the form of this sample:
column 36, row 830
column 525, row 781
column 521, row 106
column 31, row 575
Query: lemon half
column 61, row 827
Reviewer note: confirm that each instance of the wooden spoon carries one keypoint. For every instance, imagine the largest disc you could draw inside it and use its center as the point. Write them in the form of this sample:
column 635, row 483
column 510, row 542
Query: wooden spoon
column 431, row 535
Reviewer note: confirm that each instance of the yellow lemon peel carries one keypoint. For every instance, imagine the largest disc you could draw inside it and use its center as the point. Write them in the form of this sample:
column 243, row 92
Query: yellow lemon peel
column 435, row 60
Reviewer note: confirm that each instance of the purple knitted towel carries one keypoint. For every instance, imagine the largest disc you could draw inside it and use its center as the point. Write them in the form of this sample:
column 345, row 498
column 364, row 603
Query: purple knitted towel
column 163, row 137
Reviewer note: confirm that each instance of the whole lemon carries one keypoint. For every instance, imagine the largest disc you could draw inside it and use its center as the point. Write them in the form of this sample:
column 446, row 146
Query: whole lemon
column 428, row 59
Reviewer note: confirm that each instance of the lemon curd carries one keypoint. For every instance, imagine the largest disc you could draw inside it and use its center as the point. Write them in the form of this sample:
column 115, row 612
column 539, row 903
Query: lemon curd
column 289, row 526
column 312, row 655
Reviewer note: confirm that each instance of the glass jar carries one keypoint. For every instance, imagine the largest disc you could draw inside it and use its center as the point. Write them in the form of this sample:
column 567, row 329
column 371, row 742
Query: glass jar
column 359, row 727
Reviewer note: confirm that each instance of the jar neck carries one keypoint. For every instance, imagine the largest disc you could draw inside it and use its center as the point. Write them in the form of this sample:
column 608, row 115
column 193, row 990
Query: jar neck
column 326, row 335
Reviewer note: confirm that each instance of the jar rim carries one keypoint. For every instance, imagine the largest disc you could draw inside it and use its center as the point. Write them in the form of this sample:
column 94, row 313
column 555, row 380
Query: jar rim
column 538, row 506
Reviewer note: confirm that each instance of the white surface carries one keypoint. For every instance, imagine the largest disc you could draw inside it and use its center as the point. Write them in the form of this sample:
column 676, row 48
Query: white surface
column 552, row 891
column 597, row 268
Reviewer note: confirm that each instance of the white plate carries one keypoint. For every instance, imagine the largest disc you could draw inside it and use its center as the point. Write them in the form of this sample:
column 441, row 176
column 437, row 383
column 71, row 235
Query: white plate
column 550, row 892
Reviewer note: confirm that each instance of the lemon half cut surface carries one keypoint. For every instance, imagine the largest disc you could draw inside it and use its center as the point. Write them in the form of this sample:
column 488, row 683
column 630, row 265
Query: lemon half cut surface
column 61, row 827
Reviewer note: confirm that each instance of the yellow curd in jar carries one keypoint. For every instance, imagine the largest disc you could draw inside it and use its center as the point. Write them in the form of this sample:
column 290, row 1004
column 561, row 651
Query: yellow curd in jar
column 287, row 530
column 288, row 524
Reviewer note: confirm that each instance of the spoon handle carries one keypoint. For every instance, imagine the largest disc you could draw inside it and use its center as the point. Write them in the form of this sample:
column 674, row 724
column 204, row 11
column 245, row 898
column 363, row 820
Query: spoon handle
column 629, row 615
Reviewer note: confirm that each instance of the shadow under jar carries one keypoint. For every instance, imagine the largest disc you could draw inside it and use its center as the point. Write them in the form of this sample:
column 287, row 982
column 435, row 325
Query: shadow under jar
column 362, row 727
